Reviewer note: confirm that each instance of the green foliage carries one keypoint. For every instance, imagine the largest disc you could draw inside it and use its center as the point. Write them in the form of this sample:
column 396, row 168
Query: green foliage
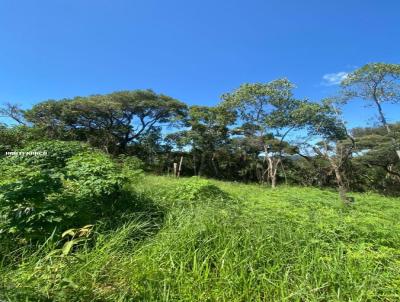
column 287, row 244
column 30, row 189
column 13, row 138
column 131, row 166
column 207, row 136
column 106, row 121
column 253, row 135
column 375, row 165
column 8, row 139
column 378, row 82
column 56, row 154
column 197, row 189
column 255, row 102
column 24, row 204
column 94, row 176
column 68, row 187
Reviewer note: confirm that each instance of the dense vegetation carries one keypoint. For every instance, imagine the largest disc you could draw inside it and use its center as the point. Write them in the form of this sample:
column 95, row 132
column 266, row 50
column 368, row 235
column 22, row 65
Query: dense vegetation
column 258, row 133
column 85, row 217
column 214, row 241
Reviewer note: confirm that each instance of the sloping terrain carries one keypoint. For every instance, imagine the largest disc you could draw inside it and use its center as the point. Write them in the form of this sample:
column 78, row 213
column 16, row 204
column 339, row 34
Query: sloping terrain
column 199, row 240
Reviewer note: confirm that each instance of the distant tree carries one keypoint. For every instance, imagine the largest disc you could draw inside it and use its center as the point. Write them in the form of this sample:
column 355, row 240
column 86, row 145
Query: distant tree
column 151, row 148
column 264, row 112
column 16, row 136
column 207, row 136
column 335, row 144
column 377, row 83
column 8, row 139
column 14, row 112
column 111, row 121
column 376, row 166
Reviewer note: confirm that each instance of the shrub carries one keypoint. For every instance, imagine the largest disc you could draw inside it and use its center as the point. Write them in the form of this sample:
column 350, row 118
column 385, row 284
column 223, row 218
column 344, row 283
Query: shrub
column 94, row 174
column 57, row 154
column 132, row 167
column 24, row 205
column 198, row 189
column 67, row 188
column 16, row 137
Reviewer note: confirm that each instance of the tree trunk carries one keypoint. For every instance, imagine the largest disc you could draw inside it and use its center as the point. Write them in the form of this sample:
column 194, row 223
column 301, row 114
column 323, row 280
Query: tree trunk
column 272, row 170
column 214, row 165
column 273, row 181
column 341, row 185
column 180, row 166
column 273, row 163
column 202, row 164
column 194, row 164
column 259, row 172
column 382, row 116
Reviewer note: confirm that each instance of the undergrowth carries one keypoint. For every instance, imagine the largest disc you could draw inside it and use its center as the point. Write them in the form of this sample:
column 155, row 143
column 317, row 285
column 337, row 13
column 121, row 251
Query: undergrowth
column 205, row 240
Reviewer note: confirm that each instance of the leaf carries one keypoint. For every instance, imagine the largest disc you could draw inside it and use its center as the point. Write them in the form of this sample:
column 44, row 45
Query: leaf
column 88, row 226
column 70, row 232
column 67, row 247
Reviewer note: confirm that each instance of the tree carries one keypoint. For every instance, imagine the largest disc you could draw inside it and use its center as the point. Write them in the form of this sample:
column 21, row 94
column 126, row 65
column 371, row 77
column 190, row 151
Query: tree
column 263, row 109
column 9, row 139
column 376, row 166
column 377, row 83
column 207, row 136
column 17, row 136
column 111, row 121
column 336, row 145
column 14, row 112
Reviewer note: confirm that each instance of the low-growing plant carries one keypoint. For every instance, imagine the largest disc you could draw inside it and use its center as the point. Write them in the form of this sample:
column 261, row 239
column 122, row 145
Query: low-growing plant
column 24, row 205
column 55, row 154
column 197, row 189
column 69, row 187
column 132, row 167
column 94, row 175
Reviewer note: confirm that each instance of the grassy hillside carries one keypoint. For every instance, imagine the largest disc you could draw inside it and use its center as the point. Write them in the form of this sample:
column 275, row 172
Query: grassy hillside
column 197, row 240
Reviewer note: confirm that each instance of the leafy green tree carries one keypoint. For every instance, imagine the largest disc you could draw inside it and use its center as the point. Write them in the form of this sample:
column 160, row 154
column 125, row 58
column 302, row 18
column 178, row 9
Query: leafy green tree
column 207, row 136
column 375, row 165
column 9, row 139
column 331, row 140
column 377, row 83
column 111, row 121
column 264, row 113
column 16, row 137
column 14, row 112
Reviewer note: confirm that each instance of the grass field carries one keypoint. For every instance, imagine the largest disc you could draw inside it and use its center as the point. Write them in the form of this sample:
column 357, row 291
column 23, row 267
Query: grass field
column 197, row 240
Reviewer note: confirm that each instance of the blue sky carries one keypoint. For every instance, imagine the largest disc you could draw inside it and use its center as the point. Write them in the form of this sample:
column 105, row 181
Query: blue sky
column 191, row 50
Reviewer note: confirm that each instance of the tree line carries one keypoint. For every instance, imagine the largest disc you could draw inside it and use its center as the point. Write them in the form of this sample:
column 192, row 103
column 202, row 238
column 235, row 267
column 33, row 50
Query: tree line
column 259, row 132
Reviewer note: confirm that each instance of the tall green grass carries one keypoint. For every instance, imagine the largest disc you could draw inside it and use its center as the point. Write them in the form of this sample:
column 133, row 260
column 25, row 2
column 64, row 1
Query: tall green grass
column 237, row 243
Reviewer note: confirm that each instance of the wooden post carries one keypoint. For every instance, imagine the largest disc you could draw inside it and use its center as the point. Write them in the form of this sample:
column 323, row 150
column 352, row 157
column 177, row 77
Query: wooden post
column 175, row 169
column 180, row 166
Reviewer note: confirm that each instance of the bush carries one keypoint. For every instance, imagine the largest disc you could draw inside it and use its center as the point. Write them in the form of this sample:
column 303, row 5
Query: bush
column 67, row 188
column 94, row 175
column 16, row 137
column 132, row 167
column 198, row 189
column 57, row 154
column 24, row 205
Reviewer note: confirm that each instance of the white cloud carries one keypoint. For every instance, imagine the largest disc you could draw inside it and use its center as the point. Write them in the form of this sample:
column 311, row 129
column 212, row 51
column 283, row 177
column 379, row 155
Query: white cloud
column 330, row 79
